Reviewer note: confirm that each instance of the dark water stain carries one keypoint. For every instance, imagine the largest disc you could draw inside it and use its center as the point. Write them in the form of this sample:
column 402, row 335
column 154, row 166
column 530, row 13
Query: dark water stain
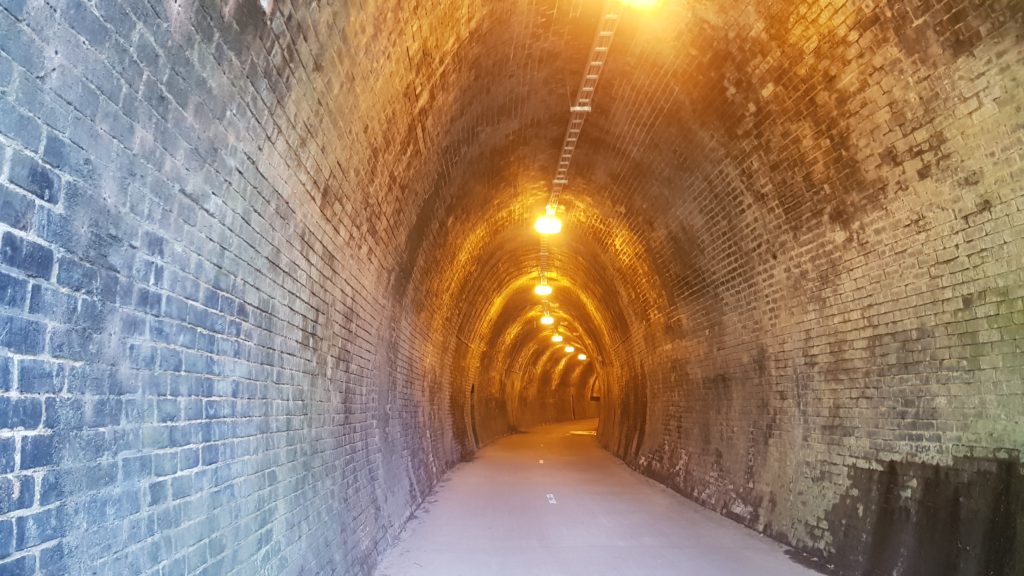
column 912, row 519
column 722, row 391
column 810, row 562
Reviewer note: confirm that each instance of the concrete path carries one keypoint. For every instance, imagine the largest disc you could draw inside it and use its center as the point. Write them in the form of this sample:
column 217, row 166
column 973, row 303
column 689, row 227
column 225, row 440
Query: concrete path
column 551, row 502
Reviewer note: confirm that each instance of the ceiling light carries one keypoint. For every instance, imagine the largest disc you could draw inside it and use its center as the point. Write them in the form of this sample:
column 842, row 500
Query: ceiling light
column 570, row 349
column 582, row 356
column 548, row 223
column 542, row 289
column 557, row 338
column 547, row 319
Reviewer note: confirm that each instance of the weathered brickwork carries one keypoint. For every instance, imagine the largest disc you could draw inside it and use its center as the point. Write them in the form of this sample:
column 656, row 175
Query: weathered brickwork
column 264, row 278
column 839, row 360
column 200, row 366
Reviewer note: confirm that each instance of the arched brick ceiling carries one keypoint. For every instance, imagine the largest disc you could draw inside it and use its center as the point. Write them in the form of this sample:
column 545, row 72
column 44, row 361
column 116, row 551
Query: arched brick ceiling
column 738, row 159
column 472, row 256
column 751, row 177
column 793, row 248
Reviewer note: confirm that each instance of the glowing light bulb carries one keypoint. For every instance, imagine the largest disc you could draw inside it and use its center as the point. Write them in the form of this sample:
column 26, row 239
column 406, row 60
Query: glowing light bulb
column 548, row 223
column 570, row 349
column 581, row 356
column 557, row 338
column 542, row 289
column 547, row 319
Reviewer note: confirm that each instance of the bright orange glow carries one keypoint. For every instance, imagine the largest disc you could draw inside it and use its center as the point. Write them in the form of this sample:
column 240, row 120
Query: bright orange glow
column 547, row 320
column 548, row 224
column 557, row 338
column 542, row 289
column 582, row 356
column 641, row 3
column 570, row 349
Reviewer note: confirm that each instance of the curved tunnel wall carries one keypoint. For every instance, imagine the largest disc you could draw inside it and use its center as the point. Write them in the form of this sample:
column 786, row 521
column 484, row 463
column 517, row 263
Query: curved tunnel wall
column 265, row 278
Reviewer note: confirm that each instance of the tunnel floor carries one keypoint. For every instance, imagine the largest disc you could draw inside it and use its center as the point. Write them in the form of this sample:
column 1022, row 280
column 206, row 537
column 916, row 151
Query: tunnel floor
column 552, row 502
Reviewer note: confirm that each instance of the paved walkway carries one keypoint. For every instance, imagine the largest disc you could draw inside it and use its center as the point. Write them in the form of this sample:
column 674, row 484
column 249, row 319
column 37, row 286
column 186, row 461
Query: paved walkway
column 551, row 502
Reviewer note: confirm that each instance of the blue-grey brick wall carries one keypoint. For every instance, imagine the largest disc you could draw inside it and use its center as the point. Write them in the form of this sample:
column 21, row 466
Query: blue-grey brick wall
column 192, row 375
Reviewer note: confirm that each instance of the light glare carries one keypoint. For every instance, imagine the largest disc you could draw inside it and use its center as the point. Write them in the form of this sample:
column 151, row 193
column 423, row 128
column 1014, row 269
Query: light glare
column 570, row 349
column 557, row 338
column 542, row 289
column 547, row 320
column 548, row 223
column 582, row 356
column 641, row 3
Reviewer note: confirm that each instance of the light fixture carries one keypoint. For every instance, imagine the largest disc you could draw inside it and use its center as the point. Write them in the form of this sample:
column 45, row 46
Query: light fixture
column 542, row 289
column 581, row 356
column 557, row 338
column 547, row 319
column 548, row 224
column 570, row 349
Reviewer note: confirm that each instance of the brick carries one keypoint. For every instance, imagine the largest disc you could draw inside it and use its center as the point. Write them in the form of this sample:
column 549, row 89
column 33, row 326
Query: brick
column 81, row 96
column 188, row 459
column 87, row 24
column 53, row 560
column 99, row 476
column 38, row 451
column 40, row 527
column 6, row 373
column 35, row 178
column 16, row 125
column 159, row 492
column 20, row 566
column 63, row 413
column 16, row 209
column 13, row 292
column 40, row 377
column 21, row 336
column 74, row 344
column 147, row 54
column 52, row 487
column 6, row 71
column 103, row 412
column 33, row 98
column 67, row 157
column 167, row 410
column 30, row 257
column 117, row 17
column 165, row 463
column 7, row 455
column 7, row 544
column 44, row 300
column 16, row 493
column 20, row 412
column 15, row 7
column 77, row 276
column 181, row 487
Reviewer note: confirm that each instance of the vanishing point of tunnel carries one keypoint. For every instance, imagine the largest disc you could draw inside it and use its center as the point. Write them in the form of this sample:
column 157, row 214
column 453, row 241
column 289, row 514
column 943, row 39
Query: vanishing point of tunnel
column 512, row 287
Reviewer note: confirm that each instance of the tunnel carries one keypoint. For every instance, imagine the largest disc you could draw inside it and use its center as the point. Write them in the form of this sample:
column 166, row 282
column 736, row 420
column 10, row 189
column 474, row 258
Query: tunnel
column 269, row 269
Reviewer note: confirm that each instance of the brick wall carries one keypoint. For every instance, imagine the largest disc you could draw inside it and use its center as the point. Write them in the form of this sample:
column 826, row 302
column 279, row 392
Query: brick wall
column 202, row 369
column 265, row 278
column 838, row 359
